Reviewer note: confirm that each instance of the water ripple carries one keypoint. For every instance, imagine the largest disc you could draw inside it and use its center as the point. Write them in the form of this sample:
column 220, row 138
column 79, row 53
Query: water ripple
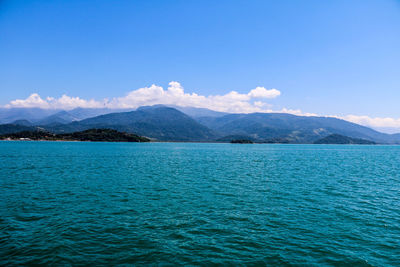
column 198, row 204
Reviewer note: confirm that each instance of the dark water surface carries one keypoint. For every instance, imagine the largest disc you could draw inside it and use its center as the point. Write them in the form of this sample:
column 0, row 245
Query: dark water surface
column 171, row 203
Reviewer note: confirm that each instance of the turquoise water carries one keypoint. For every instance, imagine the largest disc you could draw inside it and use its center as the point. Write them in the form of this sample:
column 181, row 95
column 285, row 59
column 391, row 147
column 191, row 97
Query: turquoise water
column 172, row 203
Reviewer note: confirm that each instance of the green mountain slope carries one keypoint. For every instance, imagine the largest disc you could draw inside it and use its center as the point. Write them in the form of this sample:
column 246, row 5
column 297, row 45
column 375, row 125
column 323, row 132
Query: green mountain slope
column 161, row 123
column 340, row 139
column 263, row 127
column 13, row 128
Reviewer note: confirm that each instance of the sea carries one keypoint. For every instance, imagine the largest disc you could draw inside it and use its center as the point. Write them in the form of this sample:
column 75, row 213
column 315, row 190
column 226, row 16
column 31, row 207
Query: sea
column 168, row 204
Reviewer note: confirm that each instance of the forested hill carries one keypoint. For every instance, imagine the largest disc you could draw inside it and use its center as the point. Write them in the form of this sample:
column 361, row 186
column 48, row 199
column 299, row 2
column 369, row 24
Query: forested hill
column 340, row 139
column 95, row 135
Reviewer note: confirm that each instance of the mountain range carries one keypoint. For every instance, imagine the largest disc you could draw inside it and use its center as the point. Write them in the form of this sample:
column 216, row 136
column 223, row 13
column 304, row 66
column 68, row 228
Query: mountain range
column 166, row 123
column 38, row 116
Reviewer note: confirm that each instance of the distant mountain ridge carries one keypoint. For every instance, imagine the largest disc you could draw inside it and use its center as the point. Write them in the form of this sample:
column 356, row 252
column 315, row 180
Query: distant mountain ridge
column 159, row 122
column 294, row 129
column 38, row 116
column 166, row 123
column 199, row 112
column 9, row 115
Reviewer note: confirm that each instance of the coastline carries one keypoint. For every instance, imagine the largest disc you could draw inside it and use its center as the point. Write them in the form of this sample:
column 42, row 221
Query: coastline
column 190, row 142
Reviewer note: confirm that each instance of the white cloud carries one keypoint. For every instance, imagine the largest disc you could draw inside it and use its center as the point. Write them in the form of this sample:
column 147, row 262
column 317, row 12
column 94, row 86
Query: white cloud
column 377, row 122
column 261, row 92
column 34, row 100
column 64, row 102
column 173, row 95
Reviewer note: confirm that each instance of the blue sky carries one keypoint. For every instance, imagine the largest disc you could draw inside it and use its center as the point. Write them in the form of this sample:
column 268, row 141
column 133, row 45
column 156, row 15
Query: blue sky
column 324, row 57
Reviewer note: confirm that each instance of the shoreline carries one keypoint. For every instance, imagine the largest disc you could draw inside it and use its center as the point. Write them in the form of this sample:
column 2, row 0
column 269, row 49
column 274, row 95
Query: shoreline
column 192, row 142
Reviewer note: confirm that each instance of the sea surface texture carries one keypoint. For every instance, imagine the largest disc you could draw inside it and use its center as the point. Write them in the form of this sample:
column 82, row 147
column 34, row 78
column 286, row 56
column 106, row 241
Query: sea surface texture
column 70, row 203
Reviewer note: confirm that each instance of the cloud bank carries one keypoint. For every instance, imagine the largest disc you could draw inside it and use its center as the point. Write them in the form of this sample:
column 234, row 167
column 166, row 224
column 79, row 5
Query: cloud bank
column 64, row 102
column 233, row 102
column 391, row 125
